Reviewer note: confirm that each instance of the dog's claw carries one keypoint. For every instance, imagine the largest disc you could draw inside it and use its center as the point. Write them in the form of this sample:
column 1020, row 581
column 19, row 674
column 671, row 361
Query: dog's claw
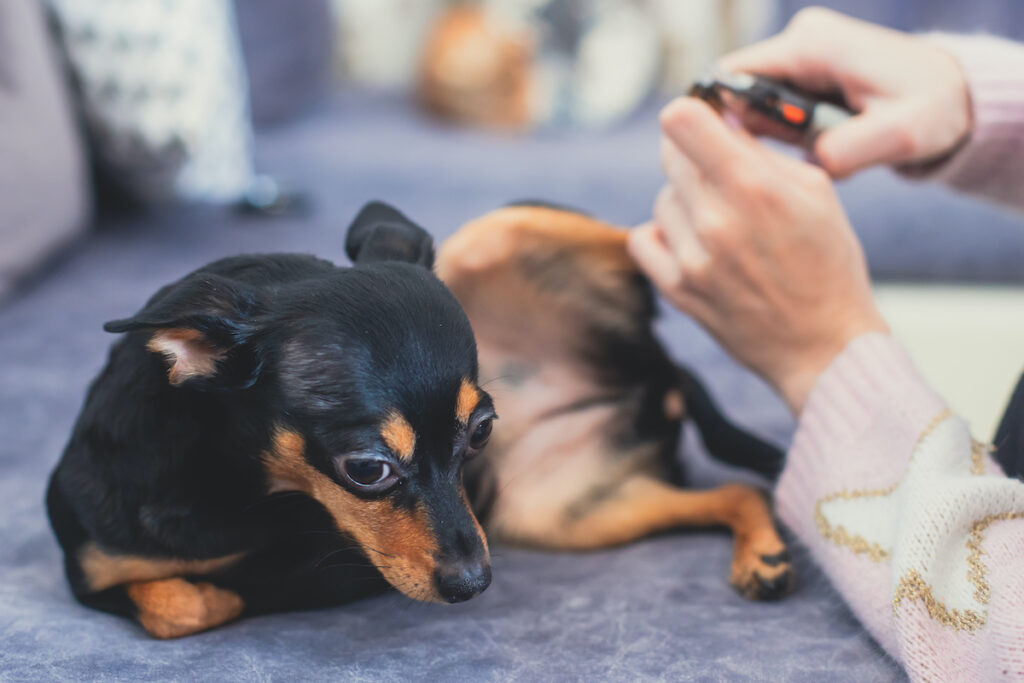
column 776, row 559
column 775, row 587
column 764, row 577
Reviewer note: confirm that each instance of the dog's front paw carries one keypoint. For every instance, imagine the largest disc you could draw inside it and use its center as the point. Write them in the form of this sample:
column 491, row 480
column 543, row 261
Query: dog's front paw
column 172, row 608
column 762, row 576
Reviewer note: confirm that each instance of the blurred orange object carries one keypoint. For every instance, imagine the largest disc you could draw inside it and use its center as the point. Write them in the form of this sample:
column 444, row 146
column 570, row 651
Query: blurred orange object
column 475, row 72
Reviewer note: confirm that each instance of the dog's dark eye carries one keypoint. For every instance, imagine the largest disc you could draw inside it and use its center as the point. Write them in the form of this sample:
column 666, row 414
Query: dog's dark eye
column 366, row 471
column 478, row 439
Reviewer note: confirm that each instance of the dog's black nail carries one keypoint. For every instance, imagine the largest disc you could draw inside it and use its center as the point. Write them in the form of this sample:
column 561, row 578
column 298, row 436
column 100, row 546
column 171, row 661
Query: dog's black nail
column 772, row 589
column 776, row 559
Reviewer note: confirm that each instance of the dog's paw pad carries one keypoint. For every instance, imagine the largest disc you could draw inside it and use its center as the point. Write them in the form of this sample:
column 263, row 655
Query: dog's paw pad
column 774, row 587
column 764, row 577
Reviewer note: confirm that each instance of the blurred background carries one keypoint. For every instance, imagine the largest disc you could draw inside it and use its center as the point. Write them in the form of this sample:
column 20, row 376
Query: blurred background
column 140, row 140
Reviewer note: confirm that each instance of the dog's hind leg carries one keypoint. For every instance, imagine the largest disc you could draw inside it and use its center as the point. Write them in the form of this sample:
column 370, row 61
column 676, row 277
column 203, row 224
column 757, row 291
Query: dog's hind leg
column 643, row 505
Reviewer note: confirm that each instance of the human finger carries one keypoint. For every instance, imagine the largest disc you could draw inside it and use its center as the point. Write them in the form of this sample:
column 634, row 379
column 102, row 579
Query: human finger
column 702, row 136
column 676, row 226
column 873, row 137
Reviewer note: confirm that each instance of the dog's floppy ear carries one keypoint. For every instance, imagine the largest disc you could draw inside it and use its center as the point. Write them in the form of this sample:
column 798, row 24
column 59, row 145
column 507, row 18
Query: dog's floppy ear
column 381, row 233
column 204, row 326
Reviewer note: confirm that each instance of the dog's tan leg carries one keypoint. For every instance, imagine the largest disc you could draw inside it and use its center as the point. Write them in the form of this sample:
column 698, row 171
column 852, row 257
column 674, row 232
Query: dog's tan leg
column 171, row 608
column 643, row 505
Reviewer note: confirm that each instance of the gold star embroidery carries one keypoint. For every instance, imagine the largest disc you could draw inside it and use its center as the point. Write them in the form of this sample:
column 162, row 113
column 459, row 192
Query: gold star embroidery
column 859, row 520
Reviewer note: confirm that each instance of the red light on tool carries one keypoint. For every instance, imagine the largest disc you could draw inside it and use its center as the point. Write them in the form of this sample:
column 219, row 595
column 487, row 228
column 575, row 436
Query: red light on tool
column 793, row 113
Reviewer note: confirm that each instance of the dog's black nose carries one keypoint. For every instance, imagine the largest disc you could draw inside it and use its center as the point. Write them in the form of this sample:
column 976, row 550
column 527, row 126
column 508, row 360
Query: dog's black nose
column 457, row 582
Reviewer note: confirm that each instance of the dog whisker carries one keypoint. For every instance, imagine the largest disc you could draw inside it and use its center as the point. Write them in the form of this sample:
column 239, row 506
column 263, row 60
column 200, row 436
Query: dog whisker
column 379, row 552
column 349, row 564
column 495, row 379
column 329, row 554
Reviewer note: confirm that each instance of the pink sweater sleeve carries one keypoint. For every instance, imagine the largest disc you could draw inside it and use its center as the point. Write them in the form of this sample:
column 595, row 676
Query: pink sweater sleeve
column 991, row 163
column 910, row 518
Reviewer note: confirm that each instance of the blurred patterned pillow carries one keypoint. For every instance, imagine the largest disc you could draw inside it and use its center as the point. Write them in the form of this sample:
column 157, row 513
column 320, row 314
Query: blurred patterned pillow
column 163, row 91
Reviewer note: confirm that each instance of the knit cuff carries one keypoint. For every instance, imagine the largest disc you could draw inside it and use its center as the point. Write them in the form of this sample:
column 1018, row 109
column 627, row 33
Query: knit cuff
column 858, row 427
column 990, row 162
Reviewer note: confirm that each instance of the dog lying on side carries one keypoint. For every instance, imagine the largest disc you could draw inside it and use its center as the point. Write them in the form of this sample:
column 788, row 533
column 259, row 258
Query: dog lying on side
column 591, row 405
column 274, row 432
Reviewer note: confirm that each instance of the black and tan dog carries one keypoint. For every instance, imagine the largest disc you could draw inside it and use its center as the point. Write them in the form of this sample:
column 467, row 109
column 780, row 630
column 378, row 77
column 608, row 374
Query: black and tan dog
column 275, row 432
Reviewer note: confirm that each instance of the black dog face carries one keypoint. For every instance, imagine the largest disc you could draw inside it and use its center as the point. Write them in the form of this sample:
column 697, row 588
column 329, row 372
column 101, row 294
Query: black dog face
column 367, row 378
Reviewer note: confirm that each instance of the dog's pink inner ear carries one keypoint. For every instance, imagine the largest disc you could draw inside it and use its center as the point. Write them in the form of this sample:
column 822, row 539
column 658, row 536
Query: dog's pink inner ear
column 188, row 353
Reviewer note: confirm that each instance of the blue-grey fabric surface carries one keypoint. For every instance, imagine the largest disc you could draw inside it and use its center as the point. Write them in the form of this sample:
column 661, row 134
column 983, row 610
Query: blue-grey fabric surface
column 287, row 51
column 659, row 609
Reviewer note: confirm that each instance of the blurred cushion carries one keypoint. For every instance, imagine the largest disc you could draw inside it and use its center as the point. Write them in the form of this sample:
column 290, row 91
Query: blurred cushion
column 287, row 49
column 163, row 90
column 44, row 198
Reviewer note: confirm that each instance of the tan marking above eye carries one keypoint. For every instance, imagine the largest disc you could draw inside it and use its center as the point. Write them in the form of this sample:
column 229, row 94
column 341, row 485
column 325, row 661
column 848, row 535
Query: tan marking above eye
column 398, row 434
column 466, row 403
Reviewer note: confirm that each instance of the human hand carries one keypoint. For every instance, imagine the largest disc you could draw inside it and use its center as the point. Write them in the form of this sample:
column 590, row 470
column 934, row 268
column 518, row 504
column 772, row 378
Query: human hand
column 912, row 96
column 756, row 247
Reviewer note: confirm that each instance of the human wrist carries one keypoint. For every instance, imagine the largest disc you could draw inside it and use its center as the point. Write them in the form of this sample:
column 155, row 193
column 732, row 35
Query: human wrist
column 797, row 378
column 795, row 386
